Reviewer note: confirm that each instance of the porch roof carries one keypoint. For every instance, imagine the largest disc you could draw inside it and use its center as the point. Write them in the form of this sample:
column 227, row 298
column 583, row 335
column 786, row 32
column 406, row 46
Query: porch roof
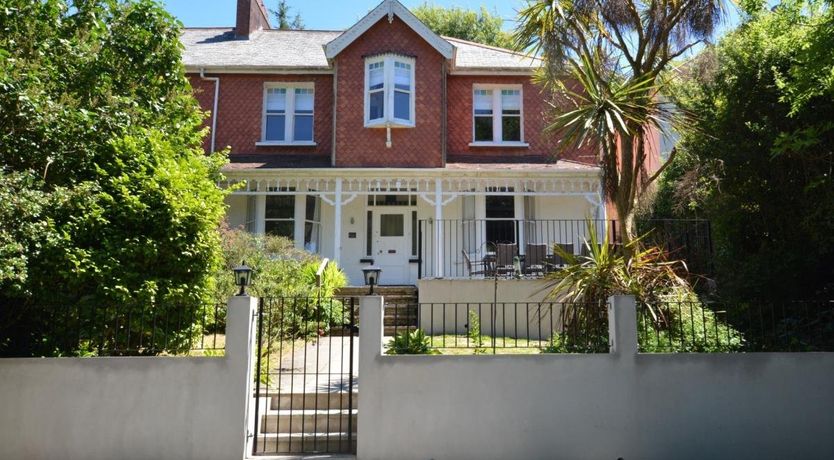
column 280, row 162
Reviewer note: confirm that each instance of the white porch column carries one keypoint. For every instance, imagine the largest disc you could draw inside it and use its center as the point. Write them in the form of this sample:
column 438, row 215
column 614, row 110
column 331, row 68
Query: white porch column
column 518, row 203
column 438, row 230
column 260, row 214
column 300, row 215
column 337, row 224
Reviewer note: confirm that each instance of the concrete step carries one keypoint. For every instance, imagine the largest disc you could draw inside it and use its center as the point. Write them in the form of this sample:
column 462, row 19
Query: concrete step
column 308, row 421
column 306, row 443
column 385, row 291
column 312, row 401
column 401, row 321
column 390, row 331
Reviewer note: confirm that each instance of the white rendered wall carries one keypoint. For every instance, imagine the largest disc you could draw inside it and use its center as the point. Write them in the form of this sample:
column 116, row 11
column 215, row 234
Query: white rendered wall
column 236, row 211
column 130, row 408
column 605, row 406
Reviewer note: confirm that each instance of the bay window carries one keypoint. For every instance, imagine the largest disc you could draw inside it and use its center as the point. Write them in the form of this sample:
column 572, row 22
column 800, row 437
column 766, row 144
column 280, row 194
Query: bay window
column 288, row 114
column 389, row 91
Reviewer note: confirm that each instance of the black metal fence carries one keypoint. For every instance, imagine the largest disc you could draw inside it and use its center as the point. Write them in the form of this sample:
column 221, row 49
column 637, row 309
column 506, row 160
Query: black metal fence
column 509, row 328
column 139, row 330
column 689, row 240
column 468, row 248
column 305, row 376
column 764, row 326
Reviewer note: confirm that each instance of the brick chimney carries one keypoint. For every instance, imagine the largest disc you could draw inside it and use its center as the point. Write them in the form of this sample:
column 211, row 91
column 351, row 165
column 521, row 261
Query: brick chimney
column 251, row 16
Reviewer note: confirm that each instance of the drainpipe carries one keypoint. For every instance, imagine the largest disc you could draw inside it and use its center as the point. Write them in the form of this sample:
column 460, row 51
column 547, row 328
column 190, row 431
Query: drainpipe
column 216, row 81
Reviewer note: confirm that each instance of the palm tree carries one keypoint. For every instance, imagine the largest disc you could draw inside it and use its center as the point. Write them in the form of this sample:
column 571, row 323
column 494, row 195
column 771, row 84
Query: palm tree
column 614, row 53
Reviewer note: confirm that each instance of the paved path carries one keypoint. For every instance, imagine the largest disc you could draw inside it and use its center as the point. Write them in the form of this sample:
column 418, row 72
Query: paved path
column 321, row 365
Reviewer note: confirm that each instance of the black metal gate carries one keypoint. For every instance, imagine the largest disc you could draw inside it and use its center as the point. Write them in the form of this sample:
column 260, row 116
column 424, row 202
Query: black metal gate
column 305, row 382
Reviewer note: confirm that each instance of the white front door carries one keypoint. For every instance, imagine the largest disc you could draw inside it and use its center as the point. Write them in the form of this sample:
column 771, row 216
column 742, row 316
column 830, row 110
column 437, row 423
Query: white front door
column 392, row 244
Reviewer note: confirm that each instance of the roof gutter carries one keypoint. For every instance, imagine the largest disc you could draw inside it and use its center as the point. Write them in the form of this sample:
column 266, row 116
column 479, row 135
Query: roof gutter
column 216, row 81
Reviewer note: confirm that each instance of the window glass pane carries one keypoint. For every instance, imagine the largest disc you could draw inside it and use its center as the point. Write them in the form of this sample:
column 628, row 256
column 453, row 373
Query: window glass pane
column 275, row 127
column 313, row 208
column 303, row 130
column 511, row 101
column 303, row 100
column 483, row 102
column 280, row 206
column 483, row 129
column 402, row 76
column 311, row 236
column 279, row 228
column 500, row 206
column 369, row 230
column 391, row 225
column 402, row 105
column 414, row 233
column 377, row 108
column 276, row 100
column 511, row 128
column 376, row 75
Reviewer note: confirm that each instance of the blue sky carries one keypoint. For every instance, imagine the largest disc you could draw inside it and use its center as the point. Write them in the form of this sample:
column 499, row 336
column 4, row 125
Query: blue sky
column 317, row 14
column 334, row 14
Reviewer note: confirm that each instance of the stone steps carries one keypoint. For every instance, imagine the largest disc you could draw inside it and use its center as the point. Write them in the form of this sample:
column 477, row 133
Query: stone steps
column 307, row 421
column 306, row 443
column 311, row 400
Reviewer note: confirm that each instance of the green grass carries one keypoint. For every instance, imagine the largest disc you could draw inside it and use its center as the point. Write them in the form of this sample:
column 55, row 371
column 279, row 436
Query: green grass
column 451, row 344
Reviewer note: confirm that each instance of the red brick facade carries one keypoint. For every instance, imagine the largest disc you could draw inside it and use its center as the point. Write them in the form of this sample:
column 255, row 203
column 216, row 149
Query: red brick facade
column 421, row 146
column 240, row 110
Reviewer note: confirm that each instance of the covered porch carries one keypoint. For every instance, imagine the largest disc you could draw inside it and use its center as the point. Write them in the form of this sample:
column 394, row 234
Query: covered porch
column 419, row 223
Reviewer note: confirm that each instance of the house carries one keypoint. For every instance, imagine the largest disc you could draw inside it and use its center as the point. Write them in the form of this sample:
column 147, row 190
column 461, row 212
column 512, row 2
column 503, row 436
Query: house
column 387, row 144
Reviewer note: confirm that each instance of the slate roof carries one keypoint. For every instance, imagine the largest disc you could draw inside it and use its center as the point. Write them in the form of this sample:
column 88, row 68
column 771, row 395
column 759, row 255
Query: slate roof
column 475, row 56
column 266, row 49
column 217, row 48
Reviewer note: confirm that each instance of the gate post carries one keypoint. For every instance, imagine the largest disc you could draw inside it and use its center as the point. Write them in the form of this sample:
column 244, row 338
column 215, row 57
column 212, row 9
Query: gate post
column 371, row 323
column 241, row 318
column 622, row 325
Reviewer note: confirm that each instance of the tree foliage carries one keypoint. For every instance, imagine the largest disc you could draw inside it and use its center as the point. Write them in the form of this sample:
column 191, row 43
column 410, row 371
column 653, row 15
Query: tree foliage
column 759, row 160
column 107, row 200
column 475, row 26
column 282, row 16
column 617, row 52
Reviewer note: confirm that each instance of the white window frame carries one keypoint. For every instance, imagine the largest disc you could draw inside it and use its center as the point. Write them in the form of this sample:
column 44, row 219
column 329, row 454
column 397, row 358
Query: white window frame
column 497, row 116
column 289, row 118
column 388, row 90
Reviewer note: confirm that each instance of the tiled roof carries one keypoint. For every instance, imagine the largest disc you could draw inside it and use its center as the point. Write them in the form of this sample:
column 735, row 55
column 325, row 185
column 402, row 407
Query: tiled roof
column 475, row 56
column 215, row 48
column 238, row 162
column 291, row 49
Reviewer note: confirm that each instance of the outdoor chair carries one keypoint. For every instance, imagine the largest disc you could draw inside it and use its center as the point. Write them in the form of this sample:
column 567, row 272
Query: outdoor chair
column 469, row 265
column 534, row 259
column 504, row 254
column 558, row 260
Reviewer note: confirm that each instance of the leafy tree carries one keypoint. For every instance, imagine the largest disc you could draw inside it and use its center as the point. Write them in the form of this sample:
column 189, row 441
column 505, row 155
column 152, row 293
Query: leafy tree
column 282, row 15
column 109, row 203
column 616, row 52
column 476, row 26
column 758, row 161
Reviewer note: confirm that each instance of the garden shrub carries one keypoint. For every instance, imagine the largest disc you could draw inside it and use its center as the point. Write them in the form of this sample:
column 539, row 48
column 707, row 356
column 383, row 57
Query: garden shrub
column 414, row 342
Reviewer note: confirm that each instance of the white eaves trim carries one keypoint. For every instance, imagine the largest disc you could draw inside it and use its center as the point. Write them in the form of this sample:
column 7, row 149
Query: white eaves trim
column 388, row 8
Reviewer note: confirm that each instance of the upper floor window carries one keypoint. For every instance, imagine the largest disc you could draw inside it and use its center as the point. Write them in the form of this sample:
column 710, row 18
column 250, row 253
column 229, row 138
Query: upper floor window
column 389, row 91
column 288, row 114
column 497, row 115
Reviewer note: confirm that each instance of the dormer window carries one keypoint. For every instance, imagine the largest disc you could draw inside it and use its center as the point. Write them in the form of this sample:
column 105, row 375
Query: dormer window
column 288, row 114
column 389, row 91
